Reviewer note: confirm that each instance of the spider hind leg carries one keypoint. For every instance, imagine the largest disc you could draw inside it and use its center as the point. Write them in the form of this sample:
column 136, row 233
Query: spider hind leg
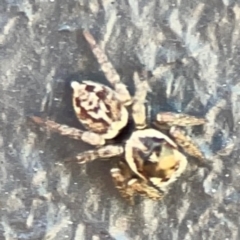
column 74, row 133
column 108, row 69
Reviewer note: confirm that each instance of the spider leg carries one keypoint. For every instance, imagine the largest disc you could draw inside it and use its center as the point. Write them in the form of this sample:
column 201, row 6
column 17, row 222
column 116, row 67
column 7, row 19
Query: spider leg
column 103, row 153
column 128, row 186
column 178, row 119
column 172, row 120
column 108, row 69
column 186, row 143
column 86, row 136
column 120, row 182
column 138, row 107
column 142, row 188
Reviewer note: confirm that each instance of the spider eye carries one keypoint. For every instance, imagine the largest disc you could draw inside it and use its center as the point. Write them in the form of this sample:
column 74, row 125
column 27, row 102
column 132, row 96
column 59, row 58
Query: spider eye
column 158, row 150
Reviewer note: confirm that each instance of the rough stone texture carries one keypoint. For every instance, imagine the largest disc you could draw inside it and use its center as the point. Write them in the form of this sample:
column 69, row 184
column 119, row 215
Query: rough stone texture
column 191, row 47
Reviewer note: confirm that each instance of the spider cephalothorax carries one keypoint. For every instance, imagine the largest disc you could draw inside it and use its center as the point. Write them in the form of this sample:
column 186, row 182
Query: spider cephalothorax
column 149, row 160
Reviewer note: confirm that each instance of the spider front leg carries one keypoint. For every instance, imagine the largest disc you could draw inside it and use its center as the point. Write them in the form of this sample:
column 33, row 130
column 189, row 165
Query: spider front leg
column 128, row 186
column 108, row 69
column 74, row 133
column 178, row 119
column 142, row 188
column 120, row 183
column 172, row 120
column 186, row 143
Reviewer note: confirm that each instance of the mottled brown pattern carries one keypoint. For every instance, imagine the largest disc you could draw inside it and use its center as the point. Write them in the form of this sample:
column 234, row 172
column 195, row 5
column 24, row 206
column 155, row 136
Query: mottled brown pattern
column 97, row 107
column 96, row 125
column 114, row 108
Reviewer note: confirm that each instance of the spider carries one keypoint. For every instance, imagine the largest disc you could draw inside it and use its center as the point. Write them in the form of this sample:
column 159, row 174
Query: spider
column 149, row 159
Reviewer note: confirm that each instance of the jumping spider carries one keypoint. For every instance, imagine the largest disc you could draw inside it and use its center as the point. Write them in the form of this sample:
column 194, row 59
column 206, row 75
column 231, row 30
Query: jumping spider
column 150, row 160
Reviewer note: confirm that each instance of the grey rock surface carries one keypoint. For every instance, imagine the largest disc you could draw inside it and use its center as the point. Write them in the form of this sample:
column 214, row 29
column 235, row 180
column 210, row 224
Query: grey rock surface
column 192, row 49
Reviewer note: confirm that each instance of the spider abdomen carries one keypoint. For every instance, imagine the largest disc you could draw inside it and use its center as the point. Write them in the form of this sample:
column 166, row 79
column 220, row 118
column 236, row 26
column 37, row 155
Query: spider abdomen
column 98, row 108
